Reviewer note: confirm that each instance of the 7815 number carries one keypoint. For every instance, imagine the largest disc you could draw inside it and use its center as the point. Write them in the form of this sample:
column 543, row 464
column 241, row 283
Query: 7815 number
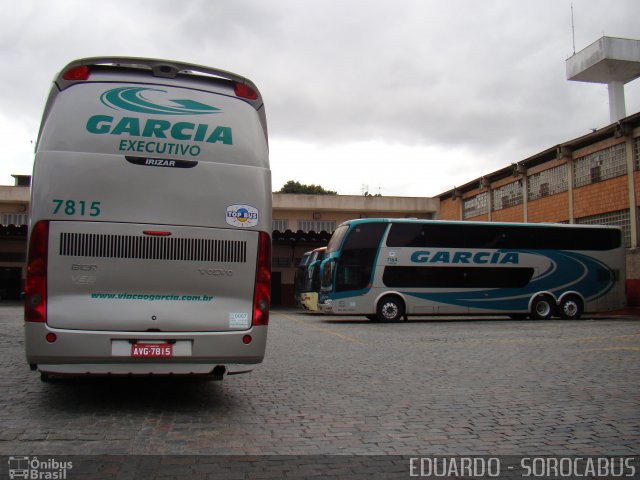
column 73, row 207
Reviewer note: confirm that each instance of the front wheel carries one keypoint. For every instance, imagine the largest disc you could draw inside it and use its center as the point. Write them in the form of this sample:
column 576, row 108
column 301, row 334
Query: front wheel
column 571, row 308
column 390, row 309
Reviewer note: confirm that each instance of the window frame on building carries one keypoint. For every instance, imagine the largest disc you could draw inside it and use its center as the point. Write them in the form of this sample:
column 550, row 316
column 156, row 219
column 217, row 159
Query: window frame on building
column 280, row 224
column 508, row 195
column 476, row 205
column 607, row 163
column 317, row 225
column 547, row 182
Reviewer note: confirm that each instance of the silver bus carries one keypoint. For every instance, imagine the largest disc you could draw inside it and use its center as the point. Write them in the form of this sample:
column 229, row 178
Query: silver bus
column 149, row 239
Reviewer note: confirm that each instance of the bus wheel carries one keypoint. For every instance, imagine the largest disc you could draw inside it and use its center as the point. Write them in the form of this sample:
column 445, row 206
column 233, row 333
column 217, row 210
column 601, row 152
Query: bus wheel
column 390, row 309
column 542, row 307
column 571, row 307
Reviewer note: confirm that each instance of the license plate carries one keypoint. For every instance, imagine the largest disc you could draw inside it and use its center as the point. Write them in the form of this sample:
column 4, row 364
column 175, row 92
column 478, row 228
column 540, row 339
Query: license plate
column 152, row 350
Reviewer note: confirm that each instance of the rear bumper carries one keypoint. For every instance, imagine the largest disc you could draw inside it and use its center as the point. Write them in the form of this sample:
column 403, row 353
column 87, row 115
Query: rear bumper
column 80, row 369
column 101, row 352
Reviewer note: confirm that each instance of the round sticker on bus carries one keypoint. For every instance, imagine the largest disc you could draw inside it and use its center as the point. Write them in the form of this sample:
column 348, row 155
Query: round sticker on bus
column 242, row 216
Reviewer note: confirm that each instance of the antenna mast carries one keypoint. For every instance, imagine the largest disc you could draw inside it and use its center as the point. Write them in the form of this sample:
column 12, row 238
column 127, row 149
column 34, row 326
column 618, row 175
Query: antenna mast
column 573, row 30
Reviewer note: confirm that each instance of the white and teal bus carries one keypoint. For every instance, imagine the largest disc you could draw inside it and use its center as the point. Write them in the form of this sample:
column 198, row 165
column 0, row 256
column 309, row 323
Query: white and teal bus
column 311, row 286
column 300, row 278
column 387, row 269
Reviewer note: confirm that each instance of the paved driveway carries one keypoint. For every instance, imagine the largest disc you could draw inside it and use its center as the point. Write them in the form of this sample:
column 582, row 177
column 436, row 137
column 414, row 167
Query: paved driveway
column 343, row 385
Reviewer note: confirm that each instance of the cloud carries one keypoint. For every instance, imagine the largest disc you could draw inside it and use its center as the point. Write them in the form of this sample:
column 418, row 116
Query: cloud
column 482, row 82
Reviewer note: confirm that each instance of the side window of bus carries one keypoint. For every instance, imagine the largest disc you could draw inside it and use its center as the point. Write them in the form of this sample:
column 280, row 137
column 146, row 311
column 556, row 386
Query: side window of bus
column 358, row 256
column 417, row 235
column 407, row 235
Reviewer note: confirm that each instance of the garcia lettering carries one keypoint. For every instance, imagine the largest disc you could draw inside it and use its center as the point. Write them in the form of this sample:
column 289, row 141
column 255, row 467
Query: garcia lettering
column 155, row 128
column 478, row 258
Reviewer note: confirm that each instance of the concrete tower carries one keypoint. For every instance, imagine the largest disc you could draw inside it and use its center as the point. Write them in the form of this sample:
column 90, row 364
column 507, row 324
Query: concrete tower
column 614, row 61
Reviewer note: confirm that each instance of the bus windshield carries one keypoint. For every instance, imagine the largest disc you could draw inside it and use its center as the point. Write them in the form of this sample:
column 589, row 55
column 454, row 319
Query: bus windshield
column 336, row 238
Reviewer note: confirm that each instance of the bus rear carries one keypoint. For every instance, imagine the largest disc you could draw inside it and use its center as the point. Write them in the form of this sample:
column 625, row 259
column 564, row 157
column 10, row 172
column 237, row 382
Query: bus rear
column 149, row 250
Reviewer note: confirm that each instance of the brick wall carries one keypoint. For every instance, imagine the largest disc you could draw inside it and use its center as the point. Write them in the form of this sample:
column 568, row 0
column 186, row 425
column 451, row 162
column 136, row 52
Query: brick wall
column 511, row 214
column 479, row 218
column 606, row 196
column 450, row 209
column 554, row 208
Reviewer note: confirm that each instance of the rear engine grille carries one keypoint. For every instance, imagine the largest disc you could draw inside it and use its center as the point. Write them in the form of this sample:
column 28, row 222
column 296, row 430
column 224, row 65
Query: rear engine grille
column 152, row 248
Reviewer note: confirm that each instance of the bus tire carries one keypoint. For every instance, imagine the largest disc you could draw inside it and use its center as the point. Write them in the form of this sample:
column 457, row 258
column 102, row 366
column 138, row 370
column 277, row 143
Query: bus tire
column 390, row 309
column 542, row 307
column 571, row 307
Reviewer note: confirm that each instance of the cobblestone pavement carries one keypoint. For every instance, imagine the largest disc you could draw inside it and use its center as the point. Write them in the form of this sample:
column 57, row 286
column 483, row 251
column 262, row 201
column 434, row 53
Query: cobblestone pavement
column 343, row 385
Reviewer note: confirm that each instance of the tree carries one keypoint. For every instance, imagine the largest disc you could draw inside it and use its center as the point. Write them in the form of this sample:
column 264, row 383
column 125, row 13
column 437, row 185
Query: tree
column 296, row 187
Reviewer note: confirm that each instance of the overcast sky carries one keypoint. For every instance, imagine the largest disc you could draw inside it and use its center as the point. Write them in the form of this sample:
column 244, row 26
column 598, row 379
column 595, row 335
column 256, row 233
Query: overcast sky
column 406, row 98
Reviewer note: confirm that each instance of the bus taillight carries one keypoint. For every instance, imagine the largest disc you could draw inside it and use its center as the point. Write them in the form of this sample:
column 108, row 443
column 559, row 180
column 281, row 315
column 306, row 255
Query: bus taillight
column 243, row 90
column 77, row 73
column 262, row 293
column 35, row 305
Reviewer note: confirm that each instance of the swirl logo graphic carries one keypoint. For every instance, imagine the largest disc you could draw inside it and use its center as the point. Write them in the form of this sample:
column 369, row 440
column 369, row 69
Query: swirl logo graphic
column 565, row 271
column 135, row 99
